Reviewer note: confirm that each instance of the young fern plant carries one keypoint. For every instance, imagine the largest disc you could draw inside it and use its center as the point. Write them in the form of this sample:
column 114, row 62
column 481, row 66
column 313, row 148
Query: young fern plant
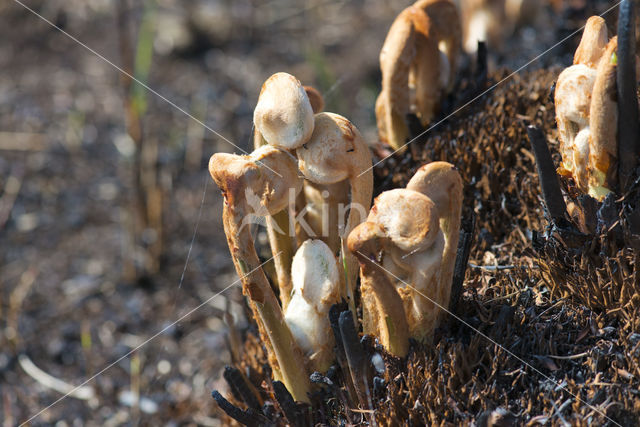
column 442, row 183
column 259, row 184
column 587, row 113
column 322, row 202
column 412, row 235
column 317, row 285
column 493, row 21
column 419, row 63
column 266, row 183
column 283, row 118
column 335, row 161
column 379, row 296
column 336, row 152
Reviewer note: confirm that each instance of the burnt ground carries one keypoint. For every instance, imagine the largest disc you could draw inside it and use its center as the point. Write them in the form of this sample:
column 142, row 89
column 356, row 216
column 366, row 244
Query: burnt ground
column 65, row 154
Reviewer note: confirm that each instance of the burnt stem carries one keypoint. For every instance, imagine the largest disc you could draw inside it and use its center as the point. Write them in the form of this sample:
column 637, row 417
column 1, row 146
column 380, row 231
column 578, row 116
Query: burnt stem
column 355, row 357
column 628, row 126
column 240, row 388
column 318, row 378
column 552, row 93
column 462, row 260
column 481, row 71
column 416, row 130
column 334, row 320
column 341, row 357
column 548, row 178
column 248, row 417
column 286, row 402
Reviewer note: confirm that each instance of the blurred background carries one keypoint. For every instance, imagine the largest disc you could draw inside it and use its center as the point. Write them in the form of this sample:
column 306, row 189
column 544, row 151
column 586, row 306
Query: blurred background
column 105, row 194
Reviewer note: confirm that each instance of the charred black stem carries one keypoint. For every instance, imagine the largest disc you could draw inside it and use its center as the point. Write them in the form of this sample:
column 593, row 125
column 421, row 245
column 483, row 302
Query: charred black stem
column 548, row 178
column 552, row 93
column 628, row 126
column 287, row 403
column 482, row 70
column 355, row 357
column 318, row 378
column 240, row 388
column 341, row 357
column 416, row 130
column 334, row 320
column 248, row 417
column 462, row 260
